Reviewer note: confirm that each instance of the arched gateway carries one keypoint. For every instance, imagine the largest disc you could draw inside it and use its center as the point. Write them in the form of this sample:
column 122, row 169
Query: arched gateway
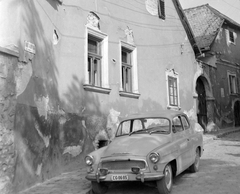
column 236, row 110
column 203, row 96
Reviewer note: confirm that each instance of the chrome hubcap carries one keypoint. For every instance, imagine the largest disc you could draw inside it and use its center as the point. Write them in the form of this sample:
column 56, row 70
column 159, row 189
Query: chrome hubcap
column 168, row 177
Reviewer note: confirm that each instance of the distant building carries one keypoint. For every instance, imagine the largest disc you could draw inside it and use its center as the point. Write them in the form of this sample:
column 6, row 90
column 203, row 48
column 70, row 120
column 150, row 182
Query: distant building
column 70, row 70
column 218, row 89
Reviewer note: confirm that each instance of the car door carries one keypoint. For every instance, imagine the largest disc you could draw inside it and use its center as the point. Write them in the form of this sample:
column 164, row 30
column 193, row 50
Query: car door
column 182, row 142
column 190, row 136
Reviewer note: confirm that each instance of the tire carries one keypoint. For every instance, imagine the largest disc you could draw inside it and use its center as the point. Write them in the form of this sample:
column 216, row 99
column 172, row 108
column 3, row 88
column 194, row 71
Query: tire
column 164, row 185
column 99, row 188
column 195, row 166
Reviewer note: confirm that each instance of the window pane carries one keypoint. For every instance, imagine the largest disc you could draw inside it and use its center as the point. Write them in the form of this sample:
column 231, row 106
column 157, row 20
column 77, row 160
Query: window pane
column 125, row 128
column 185, row 122
column 123, row 78
column 177, row 126
column 94, row 71
column 232, row 83
column 92, row 46
column 231, row 36
column 97, row 72
column 137, row 125
column 171, row 100
column 175, row 92
column 89, row 70
column 128, row 79
column 124, row 57
column 175, row 102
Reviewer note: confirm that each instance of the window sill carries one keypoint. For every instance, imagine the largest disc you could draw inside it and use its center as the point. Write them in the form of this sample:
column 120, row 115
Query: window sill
column 173, row 107
column 129, row 94
column 96, row 89
column 233, row 43
column 234, row 94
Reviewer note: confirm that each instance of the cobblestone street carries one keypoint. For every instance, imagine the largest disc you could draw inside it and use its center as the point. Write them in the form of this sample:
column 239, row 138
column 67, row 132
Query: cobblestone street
column 219, row 174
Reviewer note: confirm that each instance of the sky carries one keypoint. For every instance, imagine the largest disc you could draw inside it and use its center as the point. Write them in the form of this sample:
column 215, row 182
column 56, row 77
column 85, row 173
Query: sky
column 230, row 8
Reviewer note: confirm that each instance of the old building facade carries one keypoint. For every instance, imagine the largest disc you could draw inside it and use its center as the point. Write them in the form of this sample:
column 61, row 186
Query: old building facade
column 217, row 87
column 70, row 70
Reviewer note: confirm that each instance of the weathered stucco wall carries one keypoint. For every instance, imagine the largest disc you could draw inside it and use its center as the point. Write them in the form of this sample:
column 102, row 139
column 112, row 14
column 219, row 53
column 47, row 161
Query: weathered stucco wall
column 224, row 58
column 56, row 121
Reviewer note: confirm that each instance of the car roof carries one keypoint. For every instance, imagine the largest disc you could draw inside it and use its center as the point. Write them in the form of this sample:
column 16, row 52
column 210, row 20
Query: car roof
column 163, row 113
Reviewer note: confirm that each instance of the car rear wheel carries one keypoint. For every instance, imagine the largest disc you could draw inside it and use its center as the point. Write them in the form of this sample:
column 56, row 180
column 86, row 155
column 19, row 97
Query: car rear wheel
column 164, row 185
column 195, row 166
column 99, row 188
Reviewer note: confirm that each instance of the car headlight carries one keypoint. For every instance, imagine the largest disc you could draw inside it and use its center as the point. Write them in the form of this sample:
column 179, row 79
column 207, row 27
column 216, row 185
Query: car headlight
column 154, row 157
column 89, row 160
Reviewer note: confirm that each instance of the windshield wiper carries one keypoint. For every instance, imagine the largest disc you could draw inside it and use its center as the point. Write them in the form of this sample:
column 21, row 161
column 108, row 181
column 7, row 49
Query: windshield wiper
column 138, row 131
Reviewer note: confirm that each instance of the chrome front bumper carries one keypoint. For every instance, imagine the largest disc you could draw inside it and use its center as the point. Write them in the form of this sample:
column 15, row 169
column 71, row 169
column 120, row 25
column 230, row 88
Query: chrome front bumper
column 131, row 177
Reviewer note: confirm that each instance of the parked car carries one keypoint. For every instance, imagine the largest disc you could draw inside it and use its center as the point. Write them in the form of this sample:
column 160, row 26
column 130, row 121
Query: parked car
column 147, row 147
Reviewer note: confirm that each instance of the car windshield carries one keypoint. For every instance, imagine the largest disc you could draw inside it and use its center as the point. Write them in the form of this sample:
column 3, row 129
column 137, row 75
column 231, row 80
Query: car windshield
column 144, row 125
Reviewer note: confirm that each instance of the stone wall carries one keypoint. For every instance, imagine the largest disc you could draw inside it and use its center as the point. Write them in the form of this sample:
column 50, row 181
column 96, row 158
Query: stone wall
column 8, row 63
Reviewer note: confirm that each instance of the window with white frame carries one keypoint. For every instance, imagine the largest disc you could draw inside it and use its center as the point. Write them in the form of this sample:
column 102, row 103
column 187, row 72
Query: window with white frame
column 172, row 81
column 126, row 70
column 129, row 77
column 231, row 36
column 232, row 81
column 173, row 91
column 96, row 63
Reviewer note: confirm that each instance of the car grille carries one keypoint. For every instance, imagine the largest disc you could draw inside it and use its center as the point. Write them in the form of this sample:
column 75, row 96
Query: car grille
column 123, row 164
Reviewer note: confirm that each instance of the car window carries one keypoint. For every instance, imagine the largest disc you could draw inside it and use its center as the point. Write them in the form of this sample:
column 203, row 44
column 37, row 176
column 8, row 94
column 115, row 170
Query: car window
column 185, row 122
column 155, row 123
column 137, row 125
column 177, row 125
column 124, row 128
column 144, row 125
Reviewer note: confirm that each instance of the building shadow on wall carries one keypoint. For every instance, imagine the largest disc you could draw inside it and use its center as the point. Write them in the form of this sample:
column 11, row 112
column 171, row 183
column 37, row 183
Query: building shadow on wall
column 36, row 85
column 84, row 106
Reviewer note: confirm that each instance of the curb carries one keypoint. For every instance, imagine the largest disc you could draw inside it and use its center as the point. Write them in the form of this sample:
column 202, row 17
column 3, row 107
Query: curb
column 227, row 133
column 209, row 137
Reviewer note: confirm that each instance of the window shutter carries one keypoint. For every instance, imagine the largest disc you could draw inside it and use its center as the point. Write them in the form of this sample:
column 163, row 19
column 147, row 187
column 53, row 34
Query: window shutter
column 161, row 9
column 234, row 36
column 227, row 35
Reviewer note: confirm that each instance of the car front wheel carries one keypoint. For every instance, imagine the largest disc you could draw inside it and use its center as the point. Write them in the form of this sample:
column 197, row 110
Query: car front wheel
column 164, row 185
column 99, row 188
column 195, row 166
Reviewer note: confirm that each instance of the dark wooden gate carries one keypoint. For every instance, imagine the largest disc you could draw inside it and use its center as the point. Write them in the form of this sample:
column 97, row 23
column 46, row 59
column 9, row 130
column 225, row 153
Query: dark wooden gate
column 202, row 107
column 237, row 113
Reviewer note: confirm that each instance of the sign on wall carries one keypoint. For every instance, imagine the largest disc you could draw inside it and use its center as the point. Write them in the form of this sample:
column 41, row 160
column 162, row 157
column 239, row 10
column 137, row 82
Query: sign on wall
column 30, row 47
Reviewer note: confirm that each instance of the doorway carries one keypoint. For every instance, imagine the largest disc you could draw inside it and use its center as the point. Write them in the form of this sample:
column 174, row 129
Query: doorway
column 202, row 105
column 237, row 113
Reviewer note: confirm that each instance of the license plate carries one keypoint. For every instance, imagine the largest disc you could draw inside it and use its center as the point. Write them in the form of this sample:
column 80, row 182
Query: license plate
column 119, row 177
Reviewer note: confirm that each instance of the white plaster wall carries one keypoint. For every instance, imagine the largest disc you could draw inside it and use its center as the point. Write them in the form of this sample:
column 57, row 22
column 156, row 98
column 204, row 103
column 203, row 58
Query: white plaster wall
column 9, row 15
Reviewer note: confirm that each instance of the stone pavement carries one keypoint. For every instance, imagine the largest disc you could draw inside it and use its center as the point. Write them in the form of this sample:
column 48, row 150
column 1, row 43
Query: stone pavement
column 75, row 182
column 66, row 183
